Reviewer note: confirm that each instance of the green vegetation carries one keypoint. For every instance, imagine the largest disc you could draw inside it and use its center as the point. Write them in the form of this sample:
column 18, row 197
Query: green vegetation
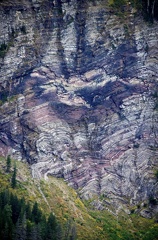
column 152, row 200
column 118, row 4
column 156, row 175
column 3, row 50
column 4, row 97
column 23, row 29
column 121, row 5
column 148, row 8
column 8, row 164
column 4, row 47
column 18, row 220
column 52, row 202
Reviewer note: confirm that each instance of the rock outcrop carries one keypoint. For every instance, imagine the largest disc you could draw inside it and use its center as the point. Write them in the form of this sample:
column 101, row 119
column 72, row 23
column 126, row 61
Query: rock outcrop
column 79, row 95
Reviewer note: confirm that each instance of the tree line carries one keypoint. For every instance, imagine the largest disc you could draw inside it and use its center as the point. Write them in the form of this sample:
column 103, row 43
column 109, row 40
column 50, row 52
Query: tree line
column 20, row 221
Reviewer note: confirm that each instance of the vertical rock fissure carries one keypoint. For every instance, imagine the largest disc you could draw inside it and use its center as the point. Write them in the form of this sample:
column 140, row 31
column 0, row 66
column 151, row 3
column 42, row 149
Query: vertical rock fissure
column 60, row 48
column 80, row 22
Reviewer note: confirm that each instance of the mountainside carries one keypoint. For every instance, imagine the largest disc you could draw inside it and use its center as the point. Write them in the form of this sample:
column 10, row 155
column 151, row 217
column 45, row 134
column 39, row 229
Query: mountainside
column 75, row 219
column 79, row 95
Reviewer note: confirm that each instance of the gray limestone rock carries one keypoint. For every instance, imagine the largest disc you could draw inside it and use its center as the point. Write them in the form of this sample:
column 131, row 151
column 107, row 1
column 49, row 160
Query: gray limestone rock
column 79, row 96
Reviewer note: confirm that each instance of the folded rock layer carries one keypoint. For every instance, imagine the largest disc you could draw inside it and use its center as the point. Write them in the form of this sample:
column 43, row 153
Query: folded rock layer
column 79, row 95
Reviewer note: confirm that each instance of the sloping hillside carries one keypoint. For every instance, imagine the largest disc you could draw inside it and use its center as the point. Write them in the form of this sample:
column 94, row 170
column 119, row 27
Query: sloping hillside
column 78, row 218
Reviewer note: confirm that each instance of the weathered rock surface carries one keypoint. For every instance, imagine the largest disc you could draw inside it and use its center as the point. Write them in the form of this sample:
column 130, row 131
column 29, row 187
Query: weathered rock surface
column 79, row 96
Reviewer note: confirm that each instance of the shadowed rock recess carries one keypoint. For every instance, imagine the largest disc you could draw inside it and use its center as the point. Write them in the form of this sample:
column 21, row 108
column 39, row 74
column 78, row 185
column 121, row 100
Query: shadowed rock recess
column 79, row 95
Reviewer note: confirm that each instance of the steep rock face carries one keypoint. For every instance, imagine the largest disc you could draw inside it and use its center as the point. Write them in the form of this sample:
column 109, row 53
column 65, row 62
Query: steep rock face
column 79, row 95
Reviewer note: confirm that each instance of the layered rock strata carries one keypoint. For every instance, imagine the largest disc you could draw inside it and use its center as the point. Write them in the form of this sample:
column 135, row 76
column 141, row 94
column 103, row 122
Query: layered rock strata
column 79, row 96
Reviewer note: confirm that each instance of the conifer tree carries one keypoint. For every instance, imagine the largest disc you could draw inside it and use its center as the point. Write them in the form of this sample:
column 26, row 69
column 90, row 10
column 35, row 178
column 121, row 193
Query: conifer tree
column 70, row 231
column 7, row 221
column 16, row 207
column 28, row 211
column 36, row 213
column 20, row 229
column 20, row 221
column 8, row 164
column 51, row 227
column 59, row 232
column 43, row 227
column 35, row 233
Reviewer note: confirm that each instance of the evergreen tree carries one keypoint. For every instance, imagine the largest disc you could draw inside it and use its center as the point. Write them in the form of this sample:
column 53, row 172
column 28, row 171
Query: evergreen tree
column 51, row 227
column 70, row 231
column 35, row 233
column 28, row 211
column 73, row 232
column 16, row 208
column 13, row 180
column 20, row 221
column 5, row 197
column 36, row 213
column 20, row 229
column 1, row 222
column 59, row 232
column 8, row 164
column 43, row 227
column 7, row 221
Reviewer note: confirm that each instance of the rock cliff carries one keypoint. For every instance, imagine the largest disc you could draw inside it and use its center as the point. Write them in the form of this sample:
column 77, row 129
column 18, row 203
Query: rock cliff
column 79, row 95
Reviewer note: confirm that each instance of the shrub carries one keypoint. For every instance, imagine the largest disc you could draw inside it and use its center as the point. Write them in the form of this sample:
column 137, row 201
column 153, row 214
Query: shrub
column 152, row 200
column 156, row 175
column 3, row 50
column 132, row 211
column 23, row 29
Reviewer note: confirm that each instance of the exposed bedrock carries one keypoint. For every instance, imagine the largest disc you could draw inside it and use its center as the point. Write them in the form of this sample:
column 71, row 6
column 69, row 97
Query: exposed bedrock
column 79, row 96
